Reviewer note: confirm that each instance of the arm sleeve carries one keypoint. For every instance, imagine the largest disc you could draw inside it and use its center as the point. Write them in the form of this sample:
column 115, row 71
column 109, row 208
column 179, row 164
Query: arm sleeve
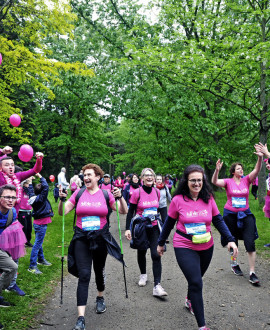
column 166, row 229
column 44, row 192
column 30, row 190
column 131, row 211
column 221, row 226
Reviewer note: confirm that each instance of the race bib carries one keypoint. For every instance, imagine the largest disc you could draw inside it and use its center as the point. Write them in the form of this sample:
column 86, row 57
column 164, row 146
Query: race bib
column 239, row 202
column 150, row 212
column 90, row 223
column 195, row 228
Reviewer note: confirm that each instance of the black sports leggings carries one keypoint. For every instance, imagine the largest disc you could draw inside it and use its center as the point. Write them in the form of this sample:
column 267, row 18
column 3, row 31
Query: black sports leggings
column 84, row 258
column 193, row 265
column 152, row 234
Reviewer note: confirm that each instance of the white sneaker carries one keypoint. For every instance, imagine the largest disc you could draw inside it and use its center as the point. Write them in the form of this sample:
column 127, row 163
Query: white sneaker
column 143, row 280
column 158, row 291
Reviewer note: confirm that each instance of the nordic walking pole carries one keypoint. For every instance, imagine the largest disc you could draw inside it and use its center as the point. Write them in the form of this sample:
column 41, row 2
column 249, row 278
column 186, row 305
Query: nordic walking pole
column 62, row 259
column 121, row 246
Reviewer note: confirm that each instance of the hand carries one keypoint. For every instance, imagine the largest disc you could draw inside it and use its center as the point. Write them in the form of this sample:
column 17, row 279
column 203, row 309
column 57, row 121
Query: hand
column 39, row 155
column 219, row 165
column 160, row 250
column 116, row 193
column 261, row 148
column 7, row 150
column 38, row 175
column 264, row 208
column 128, row 234
column 62, row 194
column 232, row 245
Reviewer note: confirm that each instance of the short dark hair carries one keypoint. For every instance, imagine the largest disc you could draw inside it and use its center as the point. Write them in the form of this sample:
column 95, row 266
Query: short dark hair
column 7, row 187
column 232, row 168
column 38, row 189
column 6, row 158
column 182, row 189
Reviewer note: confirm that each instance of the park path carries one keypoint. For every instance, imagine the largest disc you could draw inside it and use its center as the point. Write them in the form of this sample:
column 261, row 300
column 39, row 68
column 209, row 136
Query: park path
column 231, row 302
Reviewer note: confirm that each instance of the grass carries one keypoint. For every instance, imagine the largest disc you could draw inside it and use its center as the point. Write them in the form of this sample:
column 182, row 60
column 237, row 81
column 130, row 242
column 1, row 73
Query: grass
column 39, row 288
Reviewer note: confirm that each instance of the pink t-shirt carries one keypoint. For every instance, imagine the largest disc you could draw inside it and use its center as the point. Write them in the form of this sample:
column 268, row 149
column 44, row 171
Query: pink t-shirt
column 131, row 191
column 24, row 202
column 147, row 203
column 189, row 214
column 91, row 209
column 108, row 187
column 237, row 194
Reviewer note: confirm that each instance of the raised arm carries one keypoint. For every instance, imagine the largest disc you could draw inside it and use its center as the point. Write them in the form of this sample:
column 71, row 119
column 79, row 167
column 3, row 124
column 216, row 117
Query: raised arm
column 258, row 166
column 215, row 180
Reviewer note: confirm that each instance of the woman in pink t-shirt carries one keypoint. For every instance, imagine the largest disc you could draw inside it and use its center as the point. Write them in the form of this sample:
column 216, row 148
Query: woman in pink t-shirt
column 194, row 209
column 92, row 240
column 145, row 202
column 237, row 214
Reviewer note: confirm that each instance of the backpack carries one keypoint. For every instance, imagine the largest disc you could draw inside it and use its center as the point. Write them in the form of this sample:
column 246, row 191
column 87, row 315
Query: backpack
column 106, row 195
column 73, row 186
column 9, row 219
column 139, row 239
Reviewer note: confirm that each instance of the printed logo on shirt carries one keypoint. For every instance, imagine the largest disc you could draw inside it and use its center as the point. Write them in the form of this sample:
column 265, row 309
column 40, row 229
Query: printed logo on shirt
column 193, row 214
column 238, row 191
column 150, row 203
column 92, row 204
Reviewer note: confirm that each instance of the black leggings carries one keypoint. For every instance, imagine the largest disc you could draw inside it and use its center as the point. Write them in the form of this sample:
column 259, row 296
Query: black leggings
column 246, row 233
column 193, row 265
column 152, row 234
column 84, row 258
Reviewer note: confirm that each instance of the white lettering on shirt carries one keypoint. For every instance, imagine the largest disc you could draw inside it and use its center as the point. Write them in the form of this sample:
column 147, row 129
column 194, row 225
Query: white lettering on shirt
column 193, row 214
column 242, row 191
column 147, row 203
column 91, row 204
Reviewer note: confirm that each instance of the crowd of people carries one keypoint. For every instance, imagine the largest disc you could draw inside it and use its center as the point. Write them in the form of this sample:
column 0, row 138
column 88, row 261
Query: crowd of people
column 145, row 198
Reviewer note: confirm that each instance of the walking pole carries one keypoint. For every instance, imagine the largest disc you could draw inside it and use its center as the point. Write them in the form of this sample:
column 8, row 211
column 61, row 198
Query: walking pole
column 62, row 259
column 121, row 246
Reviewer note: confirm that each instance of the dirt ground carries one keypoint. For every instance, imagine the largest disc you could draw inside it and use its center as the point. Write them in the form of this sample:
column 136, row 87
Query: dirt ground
column 231, row 302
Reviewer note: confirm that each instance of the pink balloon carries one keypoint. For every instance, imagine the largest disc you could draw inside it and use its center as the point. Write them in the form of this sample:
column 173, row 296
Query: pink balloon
column 0, row 58
column 26, row 151
column 124, row 173
column 15, row 120
column 23, row 158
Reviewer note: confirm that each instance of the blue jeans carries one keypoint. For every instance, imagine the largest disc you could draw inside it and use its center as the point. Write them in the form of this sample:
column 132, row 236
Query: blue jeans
column 37, row 251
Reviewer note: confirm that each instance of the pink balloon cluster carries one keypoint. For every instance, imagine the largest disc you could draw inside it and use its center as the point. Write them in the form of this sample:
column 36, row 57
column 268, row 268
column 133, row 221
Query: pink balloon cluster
column 15, row 120
column 26, row 153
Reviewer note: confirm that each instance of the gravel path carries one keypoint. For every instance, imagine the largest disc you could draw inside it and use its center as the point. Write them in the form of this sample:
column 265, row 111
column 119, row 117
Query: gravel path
column 231, row 302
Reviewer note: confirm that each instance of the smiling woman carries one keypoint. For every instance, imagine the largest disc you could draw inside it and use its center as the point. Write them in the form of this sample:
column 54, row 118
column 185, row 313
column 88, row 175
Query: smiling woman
column 194, row 209
column 144, row 202
column 92, row 240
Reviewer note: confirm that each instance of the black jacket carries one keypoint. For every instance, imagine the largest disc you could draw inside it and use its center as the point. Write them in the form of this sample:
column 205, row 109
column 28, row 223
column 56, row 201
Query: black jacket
column 41, row 206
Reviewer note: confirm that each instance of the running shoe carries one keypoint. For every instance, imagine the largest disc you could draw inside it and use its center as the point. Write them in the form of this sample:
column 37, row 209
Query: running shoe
column 143, row 280
column 44, row 262
column 28, row 244
column 34, row 270
column 204, row 328
column 158, row 291
column 16, row 289
column 237, row 270
column 189, row 306
column 100, row 305
column 253, row 279
column 267, row 245
column 80, row 324
column 4, row 303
